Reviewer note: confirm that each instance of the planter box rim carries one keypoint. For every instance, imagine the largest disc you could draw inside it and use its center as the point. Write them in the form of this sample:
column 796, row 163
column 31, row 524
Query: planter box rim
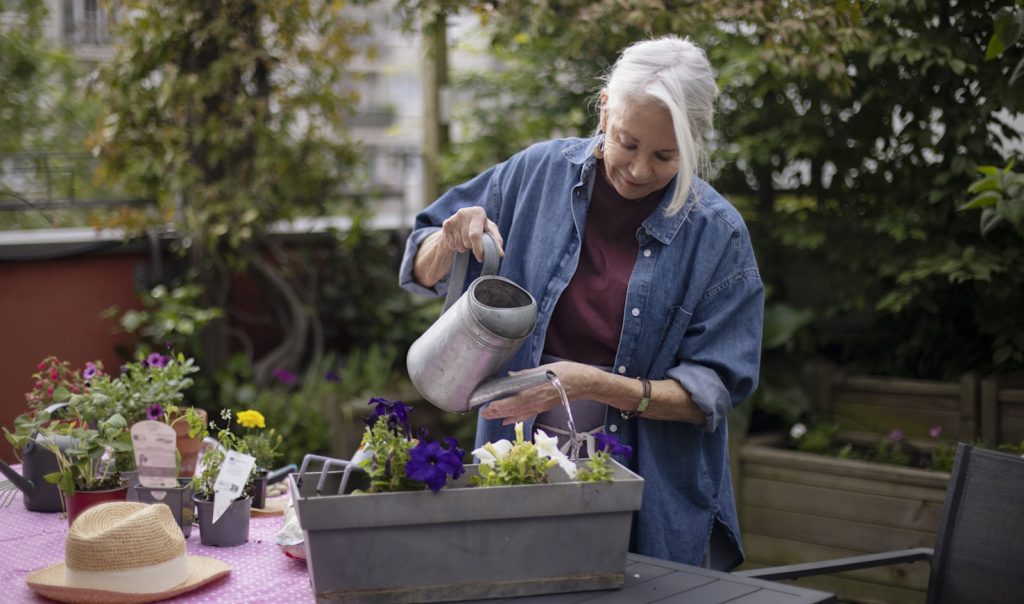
column 768, row 449
column 352, row 511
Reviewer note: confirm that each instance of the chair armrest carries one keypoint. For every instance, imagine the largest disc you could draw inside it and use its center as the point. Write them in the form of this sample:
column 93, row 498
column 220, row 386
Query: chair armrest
column 795, row 571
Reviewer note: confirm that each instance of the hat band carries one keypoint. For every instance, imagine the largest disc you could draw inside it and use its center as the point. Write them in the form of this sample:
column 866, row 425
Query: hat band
column 142, row 580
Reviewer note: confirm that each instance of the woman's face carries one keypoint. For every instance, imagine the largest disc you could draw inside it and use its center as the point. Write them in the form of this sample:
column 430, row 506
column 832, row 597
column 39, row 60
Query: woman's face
column 640, row 152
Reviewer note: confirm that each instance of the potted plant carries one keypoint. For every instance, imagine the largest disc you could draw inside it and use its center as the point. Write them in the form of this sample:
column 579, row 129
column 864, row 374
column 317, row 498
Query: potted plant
column 189, row 425
column 416, row 499
column 84, row 475
column 262, row 444
column 151, row 386
column 53, row 384
column 232, row 528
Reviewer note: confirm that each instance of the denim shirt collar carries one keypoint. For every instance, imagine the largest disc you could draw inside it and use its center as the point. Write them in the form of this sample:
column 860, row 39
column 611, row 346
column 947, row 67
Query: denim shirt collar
column 658, row 225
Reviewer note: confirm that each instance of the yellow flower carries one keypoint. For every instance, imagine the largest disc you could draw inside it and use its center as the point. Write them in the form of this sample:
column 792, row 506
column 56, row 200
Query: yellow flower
column 251, row 419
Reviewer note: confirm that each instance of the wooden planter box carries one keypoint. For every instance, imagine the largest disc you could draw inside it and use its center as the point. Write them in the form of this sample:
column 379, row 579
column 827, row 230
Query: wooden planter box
column 869, row 406
column 1002, row 410
column 800, row 507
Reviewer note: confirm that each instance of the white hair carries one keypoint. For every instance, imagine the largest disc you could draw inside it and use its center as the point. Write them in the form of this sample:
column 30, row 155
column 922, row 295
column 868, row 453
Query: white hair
column 677, row 73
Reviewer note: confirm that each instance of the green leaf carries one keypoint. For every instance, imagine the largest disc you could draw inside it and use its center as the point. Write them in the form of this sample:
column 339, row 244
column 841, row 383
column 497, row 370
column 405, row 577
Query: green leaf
column 1018, row 72
column 781, row 322
column 990, row 219
column 986, row 199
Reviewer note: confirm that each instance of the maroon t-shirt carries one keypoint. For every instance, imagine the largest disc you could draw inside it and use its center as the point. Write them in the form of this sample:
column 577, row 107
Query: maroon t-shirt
column 587, row 320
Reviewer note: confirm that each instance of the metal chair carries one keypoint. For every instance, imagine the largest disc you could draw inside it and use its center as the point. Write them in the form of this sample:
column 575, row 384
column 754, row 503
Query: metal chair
column 979, row 551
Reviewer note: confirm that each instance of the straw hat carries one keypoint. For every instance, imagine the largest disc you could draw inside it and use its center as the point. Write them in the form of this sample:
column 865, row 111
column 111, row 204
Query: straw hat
column 125, row 552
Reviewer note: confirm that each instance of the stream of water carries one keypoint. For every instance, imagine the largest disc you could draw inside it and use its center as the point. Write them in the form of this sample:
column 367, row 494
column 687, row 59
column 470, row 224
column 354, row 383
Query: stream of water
column 574, row 443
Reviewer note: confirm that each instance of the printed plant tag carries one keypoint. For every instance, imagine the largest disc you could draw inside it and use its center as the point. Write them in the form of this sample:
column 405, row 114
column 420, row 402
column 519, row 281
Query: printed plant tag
column 155, row 454
column 234, row 473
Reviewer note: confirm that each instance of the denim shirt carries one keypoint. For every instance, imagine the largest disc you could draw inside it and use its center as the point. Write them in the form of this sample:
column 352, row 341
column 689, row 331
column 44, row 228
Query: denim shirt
column 694, row 311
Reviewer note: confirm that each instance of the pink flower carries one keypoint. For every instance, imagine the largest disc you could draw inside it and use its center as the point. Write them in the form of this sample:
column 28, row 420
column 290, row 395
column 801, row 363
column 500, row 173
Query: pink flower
column 896, row 435
column 935, row 432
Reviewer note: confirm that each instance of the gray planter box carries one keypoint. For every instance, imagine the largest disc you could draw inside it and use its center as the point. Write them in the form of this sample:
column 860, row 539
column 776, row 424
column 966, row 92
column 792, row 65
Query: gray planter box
column 466, row 543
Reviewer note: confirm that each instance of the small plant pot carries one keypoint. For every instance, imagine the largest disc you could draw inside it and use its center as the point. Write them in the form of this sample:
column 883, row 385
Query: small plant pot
column 259, row 490
column 188, row 447
column 80, row 501
column 179, row 499
column 232, row 528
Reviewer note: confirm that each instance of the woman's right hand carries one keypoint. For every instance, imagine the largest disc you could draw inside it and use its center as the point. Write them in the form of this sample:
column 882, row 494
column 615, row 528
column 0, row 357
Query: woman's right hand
column 462, row 231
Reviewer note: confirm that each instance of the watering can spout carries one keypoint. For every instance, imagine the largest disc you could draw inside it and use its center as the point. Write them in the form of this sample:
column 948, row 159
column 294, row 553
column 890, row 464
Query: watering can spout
column 475, row 336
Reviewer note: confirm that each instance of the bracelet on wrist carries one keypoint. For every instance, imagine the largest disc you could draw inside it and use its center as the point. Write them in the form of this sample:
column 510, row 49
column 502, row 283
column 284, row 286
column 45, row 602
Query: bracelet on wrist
column 645, row 401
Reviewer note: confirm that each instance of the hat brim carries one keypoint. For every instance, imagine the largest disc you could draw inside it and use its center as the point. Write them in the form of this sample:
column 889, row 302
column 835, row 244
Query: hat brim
column 50, row 582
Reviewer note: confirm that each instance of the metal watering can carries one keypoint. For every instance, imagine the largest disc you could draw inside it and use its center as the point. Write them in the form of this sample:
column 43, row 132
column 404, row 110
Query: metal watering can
column 454, row 362
column 38, row 461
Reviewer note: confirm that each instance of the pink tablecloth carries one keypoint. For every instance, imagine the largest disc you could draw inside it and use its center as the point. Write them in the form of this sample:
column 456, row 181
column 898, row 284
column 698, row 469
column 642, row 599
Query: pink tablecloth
column 260, row 572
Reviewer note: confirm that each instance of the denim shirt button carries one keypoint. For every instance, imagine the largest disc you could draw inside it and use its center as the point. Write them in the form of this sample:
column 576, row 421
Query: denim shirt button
column 613, row 428
column 647, row 253
column 621, row 369
column 635, row 312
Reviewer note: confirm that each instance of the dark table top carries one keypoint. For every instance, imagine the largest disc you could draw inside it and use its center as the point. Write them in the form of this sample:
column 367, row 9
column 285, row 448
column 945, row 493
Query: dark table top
column 654, row 580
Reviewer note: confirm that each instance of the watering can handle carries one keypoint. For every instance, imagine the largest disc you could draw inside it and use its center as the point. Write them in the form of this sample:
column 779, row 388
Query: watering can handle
column 458, row 279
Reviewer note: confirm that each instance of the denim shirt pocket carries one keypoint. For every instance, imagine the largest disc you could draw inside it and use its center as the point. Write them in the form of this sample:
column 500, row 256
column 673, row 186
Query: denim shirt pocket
column 671, row 339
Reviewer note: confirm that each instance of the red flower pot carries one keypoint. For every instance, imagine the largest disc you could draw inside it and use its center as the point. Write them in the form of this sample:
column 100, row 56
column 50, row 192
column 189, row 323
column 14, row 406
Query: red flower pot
column 83, row 500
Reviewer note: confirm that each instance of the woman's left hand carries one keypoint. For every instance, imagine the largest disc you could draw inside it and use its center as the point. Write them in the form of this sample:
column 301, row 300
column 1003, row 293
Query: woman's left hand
column 574, row 377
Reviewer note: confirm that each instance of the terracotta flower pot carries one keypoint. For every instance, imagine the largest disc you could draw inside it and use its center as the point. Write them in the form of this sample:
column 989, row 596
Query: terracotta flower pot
column 188, row 448
column 80, row 501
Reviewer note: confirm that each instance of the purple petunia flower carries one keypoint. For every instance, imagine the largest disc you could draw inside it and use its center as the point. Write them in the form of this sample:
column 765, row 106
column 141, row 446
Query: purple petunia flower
column 332, row 376
column 432, row 464
column 157, row 360
column 155, row 411
column 612, row 445
column 90, row 370
column 935, row 432
column 896, row 435
column 396, row 412
column 284, row 376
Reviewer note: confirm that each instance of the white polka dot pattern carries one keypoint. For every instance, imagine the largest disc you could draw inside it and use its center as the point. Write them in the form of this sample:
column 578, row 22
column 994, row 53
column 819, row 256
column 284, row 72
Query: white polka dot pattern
column 260, row 571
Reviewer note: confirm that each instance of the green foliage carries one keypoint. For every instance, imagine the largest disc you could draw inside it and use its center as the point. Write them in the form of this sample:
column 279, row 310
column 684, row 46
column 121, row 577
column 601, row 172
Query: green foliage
column 361, row 303
column 999, row 193
column 514, row 463
column 80, row 464
column 44, row 120
column 388, row 453
column 826, row 438
column 847, row 133
column 158, row 379
column 596, row 469
column 818, row 439
column 209, row 113
column 168, row 316
column 298, row 417
column 213, row 460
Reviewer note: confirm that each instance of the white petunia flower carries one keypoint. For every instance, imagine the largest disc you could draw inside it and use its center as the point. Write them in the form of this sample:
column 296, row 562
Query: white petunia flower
column 797, row 431
column 492, row 452
column 548, row 447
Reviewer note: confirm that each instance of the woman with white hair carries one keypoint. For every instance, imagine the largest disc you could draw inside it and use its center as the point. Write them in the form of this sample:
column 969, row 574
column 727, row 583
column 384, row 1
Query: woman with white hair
column 650, row 303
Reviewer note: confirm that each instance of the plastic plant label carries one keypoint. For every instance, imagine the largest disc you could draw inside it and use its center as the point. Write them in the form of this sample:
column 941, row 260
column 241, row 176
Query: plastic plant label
column 155, row 454
column 234, row 473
